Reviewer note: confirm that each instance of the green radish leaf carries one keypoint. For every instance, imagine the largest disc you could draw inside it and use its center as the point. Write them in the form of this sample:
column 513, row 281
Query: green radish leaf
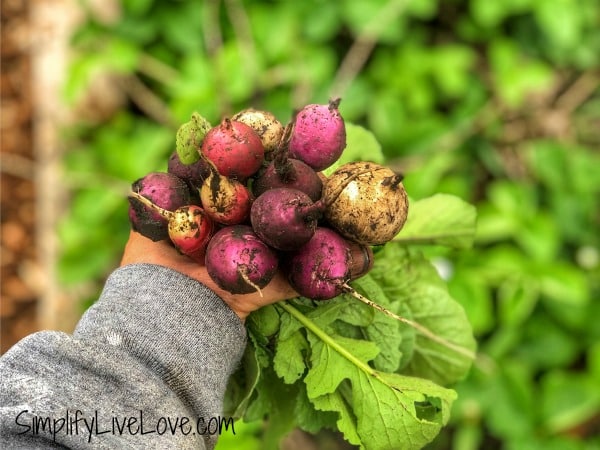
column 376, row 410
column 288, row 361
column 408, row 278
column 441, row 219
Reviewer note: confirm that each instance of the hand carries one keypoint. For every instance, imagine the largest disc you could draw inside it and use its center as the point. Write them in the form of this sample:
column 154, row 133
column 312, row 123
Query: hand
column 140, row 249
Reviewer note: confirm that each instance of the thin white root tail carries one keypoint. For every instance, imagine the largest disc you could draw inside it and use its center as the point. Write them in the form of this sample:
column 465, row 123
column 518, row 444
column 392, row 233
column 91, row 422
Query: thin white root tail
column 417, row 326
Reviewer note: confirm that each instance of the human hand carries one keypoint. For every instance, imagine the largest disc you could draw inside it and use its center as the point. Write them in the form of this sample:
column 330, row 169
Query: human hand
column 140, row 249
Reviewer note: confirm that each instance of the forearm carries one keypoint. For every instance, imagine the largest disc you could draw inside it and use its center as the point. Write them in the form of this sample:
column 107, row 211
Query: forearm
column 156, row 344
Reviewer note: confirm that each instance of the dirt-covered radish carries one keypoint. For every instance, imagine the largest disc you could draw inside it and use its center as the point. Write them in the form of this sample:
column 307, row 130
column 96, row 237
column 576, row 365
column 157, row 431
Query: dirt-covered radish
column 164, row 190
column 189, row 138
column 266, row 125
column 285, row 218
column 372, row 206
column 189, row 227
column 234, row 148
column 238, row 261
column 319, row 135
column 226, row 200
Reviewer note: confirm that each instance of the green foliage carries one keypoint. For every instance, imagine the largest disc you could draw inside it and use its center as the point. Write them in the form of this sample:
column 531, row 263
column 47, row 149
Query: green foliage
column 489, row 103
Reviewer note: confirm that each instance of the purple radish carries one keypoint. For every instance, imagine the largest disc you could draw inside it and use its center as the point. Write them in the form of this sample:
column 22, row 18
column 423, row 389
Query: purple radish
column 225, row 200
column 162, row 189
column 297, row 175
column 234, row 148
column 286, row 218
column 238, row 261
column 319, row 135
column 193, row 174
column 322, row 268
column 287, row 172
column 189, row 227
column 266, row 125
column 372, row 206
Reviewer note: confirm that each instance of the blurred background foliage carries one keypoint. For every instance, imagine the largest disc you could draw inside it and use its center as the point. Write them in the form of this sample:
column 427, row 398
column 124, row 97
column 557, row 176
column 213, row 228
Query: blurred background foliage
column 494, row 101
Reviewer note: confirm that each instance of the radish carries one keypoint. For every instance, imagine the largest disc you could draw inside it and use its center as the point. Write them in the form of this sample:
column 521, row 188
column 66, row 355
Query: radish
column 286, row 218
column 225, row 200
column 288, row 172
column 321, row 267
column 319, row 135
column 238, row 261
column 234, row 148
column 189, row 138
column 321, row 270
column 372, row 206
column 265, row 124
column 162, row 189
column 193, row 174
column 189, row 227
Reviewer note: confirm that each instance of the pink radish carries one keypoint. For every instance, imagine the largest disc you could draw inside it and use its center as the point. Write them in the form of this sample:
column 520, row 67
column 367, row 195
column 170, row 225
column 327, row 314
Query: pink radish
column 193, row 174
column 234, row 148
column 319, row 135
column 238, row 261
column 189, row 227
column 162, row 189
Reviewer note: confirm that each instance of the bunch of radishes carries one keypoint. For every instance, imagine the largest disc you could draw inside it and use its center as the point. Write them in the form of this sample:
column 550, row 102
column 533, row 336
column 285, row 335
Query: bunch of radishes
column 247, row 198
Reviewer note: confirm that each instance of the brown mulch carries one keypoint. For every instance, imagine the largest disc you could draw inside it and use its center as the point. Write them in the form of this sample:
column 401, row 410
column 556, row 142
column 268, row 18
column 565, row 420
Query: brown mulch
column 18, row 300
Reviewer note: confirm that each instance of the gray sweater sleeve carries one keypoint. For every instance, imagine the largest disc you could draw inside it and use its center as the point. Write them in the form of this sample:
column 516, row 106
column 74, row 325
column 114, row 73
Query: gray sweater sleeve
column 146, row 367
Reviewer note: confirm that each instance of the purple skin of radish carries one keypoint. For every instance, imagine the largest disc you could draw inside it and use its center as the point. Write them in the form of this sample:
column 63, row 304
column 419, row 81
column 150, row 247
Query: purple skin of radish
column 298, row 175
column 319, row 135
column 234, row 148
column 164, row 190
column 238, row 261
column 285, row 218
column 320, row 268
column 193, row 174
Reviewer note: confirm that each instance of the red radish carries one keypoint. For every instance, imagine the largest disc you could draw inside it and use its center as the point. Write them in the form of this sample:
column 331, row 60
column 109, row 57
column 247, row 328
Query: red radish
column 238, row 261
column 319, row 135
column 162, row 189
column 189, row 227
column 372, row 206
column 266, row 125
column 234, row 148
column 225, row 200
